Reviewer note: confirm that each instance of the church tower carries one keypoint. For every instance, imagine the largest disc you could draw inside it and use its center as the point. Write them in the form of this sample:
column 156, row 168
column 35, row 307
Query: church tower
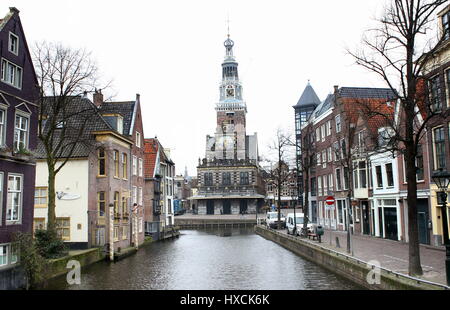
column 229, row 141
column 229, row 177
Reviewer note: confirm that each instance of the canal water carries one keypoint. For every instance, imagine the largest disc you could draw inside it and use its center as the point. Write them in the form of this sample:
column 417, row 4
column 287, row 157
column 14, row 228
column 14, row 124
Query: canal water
column 221, row 259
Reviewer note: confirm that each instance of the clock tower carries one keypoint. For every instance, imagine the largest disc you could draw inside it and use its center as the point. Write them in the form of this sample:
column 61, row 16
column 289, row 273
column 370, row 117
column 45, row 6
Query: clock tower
column 229, row 177
column 229, row 141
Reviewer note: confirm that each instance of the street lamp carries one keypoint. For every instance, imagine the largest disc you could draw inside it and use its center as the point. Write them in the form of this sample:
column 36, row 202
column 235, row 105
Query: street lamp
column 442, row 180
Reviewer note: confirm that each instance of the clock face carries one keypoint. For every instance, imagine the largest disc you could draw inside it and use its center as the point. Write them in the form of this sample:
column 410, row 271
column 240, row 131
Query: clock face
column 230, row 91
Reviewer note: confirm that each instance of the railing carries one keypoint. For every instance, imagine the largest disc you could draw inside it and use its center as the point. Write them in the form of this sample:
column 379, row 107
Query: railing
column 357, row 260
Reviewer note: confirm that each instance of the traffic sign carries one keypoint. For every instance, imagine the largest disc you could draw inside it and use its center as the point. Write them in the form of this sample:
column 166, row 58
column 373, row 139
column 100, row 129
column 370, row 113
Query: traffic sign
column 330, row 200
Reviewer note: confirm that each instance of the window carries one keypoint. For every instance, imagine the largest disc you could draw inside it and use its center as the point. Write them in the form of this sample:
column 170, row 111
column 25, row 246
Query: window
column 11, row 74
column 1, row 196
column 390, row 175
column 226, row 178
column 13, row 45
column 244, row 178
column 101, row 203
column 101, row 162
column 346, row 178
column 319, row 185
column 439, row 148
column 116, row 233
column 446, row 25
column 330, row 182
column 338, row 179
column 140, row 167
column 436, row 93
column 343, row 149
column 134, row 165
column 447, row 73
column 116, row 203
column 324, row 159
column 355, row 178
column 124, row 232
column 138, row 139
column 208, row 179
column 337, row 120
column 328, row 128
column 116, row 164
column 14, row 203
column 40, row 197
column 134, row 195
column 38, row 224
column 124, row 205
column 318, row 134
column 325, row 185
column 140, row 196
column 313, row 187
column 330, row 158
column 120, row 124
column 336, row 151
column 318, row 159
column 3, row 255
column 379, row 176
column 63, row 228
column 124, row 166
column 20, row 132
column 2, row 126
column 322, row 132
column 362, row 174
column 340, row 212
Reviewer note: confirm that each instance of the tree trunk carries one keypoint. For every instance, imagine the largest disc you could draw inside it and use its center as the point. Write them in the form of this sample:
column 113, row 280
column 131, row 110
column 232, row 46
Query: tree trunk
column 414, row 268
column 51, row 221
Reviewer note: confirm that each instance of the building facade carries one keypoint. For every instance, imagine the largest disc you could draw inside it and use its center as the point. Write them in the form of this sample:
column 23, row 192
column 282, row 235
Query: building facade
column 18, row 138
column 437, row 75
column 229, row 179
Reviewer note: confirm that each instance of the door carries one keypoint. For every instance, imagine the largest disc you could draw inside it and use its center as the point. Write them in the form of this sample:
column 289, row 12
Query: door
column 210, row 207
column 390, row 223
column 314, row 211
column 365, row 217
column 422, row 219
column 243, row 206
column 226, row 207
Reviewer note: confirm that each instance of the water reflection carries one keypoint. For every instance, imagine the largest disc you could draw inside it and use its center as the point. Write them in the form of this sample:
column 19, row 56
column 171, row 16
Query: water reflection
column 209, row 259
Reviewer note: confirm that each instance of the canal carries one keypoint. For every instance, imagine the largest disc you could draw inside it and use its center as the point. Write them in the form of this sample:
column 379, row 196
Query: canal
column 209, row 259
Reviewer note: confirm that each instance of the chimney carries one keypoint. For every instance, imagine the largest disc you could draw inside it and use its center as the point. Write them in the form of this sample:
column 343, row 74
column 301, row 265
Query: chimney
column 98, row 97
column 336, row 89
column 138, row 98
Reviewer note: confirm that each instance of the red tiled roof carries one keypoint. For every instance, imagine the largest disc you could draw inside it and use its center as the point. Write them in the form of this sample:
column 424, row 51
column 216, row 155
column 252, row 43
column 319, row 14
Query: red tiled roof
column 151, row 147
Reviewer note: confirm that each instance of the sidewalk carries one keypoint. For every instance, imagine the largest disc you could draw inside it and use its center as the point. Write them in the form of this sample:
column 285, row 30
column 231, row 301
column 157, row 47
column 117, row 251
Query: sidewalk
column 391, row 254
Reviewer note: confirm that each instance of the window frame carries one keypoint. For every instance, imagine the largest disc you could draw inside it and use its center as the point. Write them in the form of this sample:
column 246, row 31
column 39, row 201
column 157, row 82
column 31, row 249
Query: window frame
column 65, row 238
column 26, row 116
column 40, row 188
column 134, row 165
column 116, row 159
column 16, row 51
column 435, row 155
column 124, row 158
column 140, row 167
column 3, row 124
column 6, row 73
column 338, row 123
column 99, row 202
column 101, row 159
column 20, row 206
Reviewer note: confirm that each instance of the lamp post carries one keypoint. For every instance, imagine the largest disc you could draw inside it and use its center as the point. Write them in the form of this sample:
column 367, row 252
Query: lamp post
column 442, row 180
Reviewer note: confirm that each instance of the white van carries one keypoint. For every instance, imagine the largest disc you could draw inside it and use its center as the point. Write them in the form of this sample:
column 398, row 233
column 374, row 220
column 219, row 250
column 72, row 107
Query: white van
column 272, row 220
column 300, row 218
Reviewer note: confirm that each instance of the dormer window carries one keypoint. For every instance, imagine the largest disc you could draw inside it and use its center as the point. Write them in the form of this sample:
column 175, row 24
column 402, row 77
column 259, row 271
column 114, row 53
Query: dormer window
column 120, row 124
column 13, row 45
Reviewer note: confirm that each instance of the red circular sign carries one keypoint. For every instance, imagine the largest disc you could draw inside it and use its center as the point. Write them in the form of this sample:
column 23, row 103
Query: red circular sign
column 330, row 200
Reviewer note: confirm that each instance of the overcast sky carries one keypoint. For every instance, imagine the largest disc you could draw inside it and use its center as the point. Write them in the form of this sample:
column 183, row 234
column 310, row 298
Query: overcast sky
column 170, row 52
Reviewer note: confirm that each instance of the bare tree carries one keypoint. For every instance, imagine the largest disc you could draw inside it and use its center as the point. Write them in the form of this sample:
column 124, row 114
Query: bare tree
column 390, row 52
column 280, row 173
column 64, row 74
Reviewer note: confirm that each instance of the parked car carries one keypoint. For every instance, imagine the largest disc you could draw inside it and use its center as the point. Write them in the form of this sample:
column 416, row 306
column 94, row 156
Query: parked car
column 272, row 220
column 299, row 221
